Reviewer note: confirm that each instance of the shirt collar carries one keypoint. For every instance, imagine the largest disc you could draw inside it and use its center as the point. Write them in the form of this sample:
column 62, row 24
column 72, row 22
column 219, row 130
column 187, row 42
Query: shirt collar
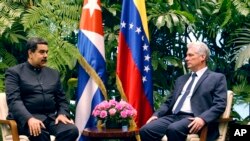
column 32, row 67
column 200, row 72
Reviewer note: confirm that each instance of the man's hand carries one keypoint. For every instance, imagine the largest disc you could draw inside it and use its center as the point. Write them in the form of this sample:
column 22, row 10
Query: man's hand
column 35, row 126
column 63, row 119
column 151, row 119
column 196, row 125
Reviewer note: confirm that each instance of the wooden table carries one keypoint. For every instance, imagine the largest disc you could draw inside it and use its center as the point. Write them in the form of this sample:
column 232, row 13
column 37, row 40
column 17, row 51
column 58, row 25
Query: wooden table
column 96, row 134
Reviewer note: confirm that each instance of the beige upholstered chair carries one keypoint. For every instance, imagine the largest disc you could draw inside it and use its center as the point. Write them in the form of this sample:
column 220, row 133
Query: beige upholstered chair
column 9, row 127
column 225, row 118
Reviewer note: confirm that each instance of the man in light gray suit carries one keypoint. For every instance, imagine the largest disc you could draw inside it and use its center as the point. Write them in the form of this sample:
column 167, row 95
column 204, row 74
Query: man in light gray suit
column 198, row 99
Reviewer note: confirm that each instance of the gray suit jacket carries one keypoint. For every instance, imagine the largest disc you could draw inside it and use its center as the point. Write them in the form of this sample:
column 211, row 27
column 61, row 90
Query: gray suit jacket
column 207, row 102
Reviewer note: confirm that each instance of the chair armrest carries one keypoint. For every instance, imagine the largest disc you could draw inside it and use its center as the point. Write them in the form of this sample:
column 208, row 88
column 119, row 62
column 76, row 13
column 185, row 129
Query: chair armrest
column 225, row 119
column 203, row 135
column 13, row 126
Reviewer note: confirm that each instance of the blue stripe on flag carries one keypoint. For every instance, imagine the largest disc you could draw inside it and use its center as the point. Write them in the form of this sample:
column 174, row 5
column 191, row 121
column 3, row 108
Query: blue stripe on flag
column 137, row 41
column 86, row 84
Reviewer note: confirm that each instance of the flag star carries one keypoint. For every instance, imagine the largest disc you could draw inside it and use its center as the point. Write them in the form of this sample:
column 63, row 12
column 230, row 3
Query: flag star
column 146, row 58
column 145, row 47
column 92, row 5
column 138, row 30
column 142, row 38
column 123, row 24
column 144, row 78
column 146, row 68
column 131, row 26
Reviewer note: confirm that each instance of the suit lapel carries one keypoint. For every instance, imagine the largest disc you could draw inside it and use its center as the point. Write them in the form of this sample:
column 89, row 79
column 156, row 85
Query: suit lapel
column 203, row 77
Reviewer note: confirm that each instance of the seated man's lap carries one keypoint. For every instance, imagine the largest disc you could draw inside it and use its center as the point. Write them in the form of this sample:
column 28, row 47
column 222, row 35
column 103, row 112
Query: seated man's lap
column 52, row 128
column 160, row 126
column 60, row 127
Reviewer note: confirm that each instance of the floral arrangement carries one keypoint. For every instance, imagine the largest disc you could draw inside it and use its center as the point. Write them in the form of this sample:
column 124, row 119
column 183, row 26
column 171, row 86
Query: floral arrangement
column 114, row 111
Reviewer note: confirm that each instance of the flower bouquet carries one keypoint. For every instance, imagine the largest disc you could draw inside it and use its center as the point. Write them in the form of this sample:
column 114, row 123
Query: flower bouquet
column 114, row 114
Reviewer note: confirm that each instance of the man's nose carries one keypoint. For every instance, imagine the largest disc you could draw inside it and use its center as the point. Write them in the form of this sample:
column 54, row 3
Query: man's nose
column 45, row 54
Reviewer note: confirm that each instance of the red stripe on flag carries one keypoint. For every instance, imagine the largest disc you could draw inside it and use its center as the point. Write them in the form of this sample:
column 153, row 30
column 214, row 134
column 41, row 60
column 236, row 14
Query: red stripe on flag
column 132, row 84
column 89, row 22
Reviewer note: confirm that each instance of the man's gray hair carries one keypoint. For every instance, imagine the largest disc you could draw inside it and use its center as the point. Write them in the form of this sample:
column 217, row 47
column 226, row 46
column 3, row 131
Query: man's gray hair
column 202, row 48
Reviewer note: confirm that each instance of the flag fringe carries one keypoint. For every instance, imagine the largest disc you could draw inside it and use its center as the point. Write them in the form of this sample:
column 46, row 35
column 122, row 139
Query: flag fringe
column 123, row 96
column 120, row 88
column 92, row 73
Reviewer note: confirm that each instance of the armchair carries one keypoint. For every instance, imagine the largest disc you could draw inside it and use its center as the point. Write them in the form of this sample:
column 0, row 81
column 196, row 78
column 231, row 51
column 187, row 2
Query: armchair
column 9, row 127
column 223, row 124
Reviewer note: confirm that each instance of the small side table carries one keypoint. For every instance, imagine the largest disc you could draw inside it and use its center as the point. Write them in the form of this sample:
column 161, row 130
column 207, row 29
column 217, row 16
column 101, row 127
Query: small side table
column 96, row 134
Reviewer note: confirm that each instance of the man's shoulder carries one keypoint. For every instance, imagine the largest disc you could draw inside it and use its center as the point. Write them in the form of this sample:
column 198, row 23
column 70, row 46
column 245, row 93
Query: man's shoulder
column 183, row 77
column 16, row 67
column 215, row 73
column 51, row 70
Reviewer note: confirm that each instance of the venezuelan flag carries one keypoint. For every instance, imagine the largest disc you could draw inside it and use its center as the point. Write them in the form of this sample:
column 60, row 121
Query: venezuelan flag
column 134, row 69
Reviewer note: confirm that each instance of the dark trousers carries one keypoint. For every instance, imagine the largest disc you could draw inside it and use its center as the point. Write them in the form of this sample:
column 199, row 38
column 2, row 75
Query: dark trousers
column 174, row 126
column 62, row 132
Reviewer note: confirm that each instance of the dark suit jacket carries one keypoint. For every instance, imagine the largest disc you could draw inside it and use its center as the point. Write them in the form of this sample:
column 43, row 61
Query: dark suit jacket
column 35, row 93
column 208, row 100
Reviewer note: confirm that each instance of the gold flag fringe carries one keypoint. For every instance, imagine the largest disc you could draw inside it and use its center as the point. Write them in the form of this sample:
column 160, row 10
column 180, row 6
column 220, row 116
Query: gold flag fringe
column 92, row 73
column 123, row 96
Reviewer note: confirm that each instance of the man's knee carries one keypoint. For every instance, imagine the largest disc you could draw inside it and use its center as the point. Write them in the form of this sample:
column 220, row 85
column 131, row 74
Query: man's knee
column 150, row 133
column 74, row 132
column 172, row 128
column 43, row 136
column 142, row 129
column 177, row 129
column 143, row 132
column 70, row 134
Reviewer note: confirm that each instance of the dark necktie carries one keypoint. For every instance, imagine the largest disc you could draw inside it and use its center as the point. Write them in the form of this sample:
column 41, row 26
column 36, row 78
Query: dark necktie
column 179, row 105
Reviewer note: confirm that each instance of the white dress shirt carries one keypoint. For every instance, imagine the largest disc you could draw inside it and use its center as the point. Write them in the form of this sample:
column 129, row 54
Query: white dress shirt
column 186, row 107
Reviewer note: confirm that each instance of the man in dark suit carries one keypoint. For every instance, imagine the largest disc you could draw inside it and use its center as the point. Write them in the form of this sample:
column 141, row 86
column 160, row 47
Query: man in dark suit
column 36, row 99
column 198, row 99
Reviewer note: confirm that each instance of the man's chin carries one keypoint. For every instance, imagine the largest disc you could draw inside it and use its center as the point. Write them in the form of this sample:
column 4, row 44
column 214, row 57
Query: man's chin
column 44, row 64
column 189, row 66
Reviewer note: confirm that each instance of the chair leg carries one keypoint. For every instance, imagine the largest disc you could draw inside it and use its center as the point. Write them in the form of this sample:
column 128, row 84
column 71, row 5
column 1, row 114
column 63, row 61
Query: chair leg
column 203, row 136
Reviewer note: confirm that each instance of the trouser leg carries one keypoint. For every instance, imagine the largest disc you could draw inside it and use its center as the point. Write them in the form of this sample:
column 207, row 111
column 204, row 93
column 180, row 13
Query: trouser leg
column 44, row 136
column 63, row 132
column 156, row 129
column 174, row 126
column 177, row 131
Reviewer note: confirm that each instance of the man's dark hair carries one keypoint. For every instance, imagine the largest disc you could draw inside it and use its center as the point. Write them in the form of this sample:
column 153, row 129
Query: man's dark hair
column 32, row 43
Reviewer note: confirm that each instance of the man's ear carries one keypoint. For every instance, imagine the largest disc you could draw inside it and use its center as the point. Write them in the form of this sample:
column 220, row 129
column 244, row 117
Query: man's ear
column 203, row 57
column 29, row 53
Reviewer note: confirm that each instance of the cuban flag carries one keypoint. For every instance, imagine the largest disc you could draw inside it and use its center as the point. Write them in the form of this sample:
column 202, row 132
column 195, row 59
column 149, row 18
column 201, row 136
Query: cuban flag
column 134, row 79
column 92, row 65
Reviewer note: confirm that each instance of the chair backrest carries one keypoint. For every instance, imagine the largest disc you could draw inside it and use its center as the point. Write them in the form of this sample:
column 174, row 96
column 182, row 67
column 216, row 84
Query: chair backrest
column 3, row 114
column 224, row 125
